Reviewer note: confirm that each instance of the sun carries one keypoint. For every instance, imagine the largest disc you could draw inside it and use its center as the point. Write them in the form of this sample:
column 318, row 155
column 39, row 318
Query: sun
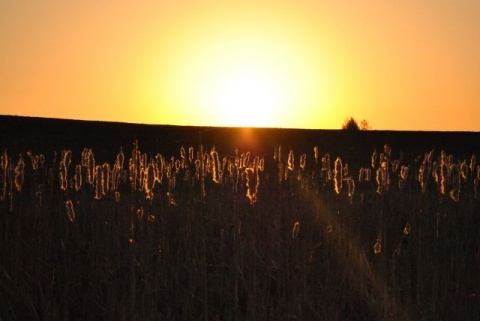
column 245, row 71
column 246, row 92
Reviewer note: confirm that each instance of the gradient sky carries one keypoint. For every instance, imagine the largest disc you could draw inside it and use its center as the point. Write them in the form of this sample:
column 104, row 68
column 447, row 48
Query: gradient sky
column 401, row 65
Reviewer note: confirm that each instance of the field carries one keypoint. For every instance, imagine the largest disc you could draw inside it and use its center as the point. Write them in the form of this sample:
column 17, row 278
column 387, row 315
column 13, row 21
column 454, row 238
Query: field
column 105, row 221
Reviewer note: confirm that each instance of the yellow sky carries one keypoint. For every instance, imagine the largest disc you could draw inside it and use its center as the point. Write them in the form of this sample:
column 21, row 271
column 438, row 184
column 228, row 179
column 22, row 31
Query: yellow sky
column 402, row 65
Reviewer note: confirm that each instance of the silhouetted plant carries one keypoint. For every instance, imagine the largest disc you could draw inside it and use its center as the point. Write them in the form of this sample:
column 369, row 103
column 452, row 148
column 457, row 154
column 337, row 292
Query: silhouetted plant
column 365, row 125
column 350, row 124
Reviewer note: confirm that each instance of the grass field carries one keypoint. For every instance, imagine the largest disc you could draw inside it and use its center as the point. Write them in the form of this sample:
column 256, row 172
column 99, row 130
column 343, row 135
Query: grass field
column 129, row 222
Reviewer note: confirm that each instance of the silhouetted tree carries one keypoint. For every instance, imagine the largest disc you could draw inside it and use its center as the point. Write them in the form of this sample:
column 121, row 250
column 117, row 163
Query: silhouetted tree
column 364, row 125
column 350, row 124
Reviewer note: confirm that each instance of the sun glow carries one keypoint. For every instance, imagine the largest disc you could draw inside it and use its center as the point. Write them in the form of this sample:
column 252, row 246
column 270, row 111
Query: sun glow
column 246, row 93
column 248, row 72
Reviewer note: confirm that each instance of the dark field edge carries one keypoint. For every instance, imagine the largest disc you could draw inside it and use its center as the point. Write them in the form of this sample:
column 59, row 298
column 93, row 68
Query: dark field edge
column 18, row 134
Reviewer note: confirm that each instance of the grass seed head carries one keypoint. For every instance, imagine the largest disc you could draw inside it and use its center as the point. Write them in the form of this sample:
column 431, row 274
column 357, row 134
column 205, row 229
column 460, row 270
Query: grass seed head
column 191, row 154
column 183, row 154
column 345, row 170
column 149, row 183
column 277, row 154
column 98, row 182
column 338, row 175
column 261, row 164
column 215, row 165
column 33, row 160
column 361, row 174
column 406, row 229
column 120, row 160
column 64, row 164
column 159, row 167
column 473, row 160
column 464, row 170
column 78, row 177
column 374, row 158
column 403, row 177
column 303, row 161
column 351, row 187
column 252, row 183
column 19, row 174
column 455, row 183
column 368, row 175
column 88, row 161
column 140, row 213
column 295, row 230
column 105, row 178
column 4, row 161
column 382, row 178
column 245, row 160
column 63, row 178
column 291, row 161
column 377, row 248
column 70, row 211
column 329, row 228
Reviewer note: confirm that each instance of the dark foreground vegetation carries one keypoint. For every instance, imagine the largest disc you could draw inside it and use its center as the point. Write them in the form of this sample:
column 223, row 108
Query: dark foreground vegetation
column 125, row 222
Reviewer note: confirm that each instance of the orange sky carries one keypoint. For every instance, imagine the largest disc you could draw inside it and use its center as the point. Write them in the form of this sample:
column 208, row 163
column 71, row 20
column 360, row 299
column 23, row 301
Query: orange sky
column 402, row 65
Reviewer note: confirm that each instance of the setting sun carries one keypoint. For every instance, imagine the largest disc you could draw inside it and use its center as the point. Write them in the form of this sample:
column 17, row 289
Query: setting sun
column 246, row 93
column 250, row 71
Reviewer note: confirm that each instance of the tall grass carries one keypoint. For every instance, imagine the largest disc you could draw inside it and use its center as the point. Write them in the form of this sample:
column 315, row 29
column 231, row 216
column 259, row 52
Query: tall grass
column 205, row 236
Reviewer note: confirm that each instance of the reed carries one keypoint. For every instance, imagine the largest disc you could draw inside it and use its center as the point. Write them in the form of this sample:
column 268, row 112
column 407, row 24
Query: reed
column 19, row 174
column 70, row 211
column 238, row 237
column 338, row 175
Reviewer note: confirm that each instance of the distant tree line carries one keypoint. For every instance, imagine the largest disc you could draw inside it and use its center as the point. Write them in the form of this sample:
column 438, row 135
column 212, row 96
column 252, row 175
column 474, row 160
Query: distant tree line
column 352, row 124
